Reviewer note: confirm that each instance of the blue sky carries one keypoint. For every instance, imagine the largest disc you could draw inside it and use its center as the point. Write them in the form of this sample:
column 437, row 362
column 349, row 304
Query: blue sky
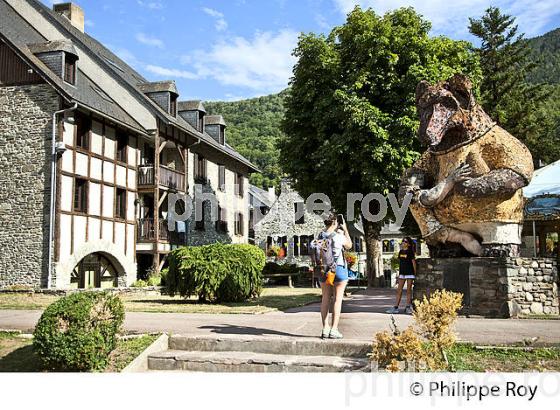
column 234, row 49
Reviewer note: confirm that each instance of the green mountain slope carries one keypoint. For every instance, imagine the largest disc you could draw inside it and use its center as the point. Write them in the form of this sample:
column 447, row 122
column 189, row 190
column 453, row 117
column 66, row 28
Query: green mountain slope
column 253, row 129
column 546, row 52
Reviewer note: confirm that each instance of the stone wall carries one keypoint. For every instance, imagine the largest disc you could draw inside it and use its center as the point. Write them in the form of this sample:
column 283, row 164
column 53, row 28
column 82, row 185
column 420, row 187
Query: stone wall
column 25, row 132
column 280, row 221
column 504, row 287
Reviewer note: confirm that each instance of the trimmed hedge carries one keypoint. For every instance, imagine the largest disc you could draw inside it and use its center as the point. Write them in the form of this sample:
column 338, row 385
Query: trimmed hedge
column 217, row 272
column 79, row 331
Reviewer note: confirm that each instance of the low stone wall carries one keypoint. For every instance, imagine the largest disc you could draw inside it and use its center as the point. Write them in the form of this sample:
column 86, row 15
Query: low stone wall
column 496, row 287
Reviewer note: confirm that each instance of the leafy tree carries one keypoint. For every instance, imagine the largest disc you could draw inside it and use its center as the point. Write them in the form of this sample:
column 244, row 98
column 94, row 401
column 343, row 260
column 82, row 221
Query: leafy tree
column 350, row 119
column 506, row 95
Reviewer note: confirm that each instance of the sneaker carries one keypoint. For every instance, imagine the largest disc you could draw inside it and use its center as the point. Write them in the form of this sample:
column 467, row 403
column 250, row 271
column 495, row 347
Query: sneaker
column 335, row 334
column 393, row 311
column 408, row 310
column 325, row 333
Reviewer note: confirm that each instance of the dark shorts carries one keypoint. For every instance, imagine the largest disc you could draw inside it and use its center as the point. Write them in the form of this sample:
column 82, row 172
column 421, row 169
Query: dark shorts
column 341, row 274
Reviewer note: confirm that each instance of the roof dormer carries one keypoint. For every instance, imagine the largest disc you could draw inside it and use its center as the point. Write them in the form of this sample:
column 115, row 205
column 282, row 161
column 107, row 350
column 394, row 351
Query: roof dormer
column 163, row 93
column 215, row 126
column 60, row 56
column 192, row 112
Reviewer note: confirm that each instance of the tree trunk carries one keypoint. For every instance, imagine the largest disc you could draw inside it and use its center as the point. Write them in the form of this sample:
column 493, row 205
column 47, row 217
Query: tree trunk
column 372, row 232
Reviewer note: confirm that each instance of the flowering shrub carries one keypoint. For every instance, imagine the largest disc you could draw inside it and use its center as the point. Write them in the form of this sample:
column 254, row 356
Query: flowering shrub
column 273, row 250
column 351, row 258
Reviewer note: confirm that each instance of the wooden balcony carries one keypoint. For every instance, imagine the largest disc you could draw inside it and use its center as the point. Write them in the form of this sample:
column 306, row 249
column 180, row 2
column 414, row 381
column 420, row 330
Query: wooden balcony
column 147, row 232
column 168, row 178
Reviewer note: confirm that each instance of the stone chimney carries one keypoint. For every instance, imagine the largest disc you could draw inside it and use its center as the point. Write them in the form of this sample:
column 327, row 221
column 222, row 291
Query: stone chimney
column 72, row 12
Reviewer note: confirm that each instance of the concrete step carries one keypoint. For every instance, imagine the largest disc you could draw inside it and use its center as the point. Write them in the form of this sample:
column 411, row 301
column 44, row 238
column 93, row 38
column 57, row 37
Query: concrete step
column 247, row 361
column 279, row 345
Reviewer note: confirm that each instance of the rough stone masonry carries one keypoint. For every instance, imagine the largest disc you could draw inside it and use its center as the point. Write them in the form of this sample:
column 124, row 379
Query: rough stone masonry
column 25, row 130
column 509, row 287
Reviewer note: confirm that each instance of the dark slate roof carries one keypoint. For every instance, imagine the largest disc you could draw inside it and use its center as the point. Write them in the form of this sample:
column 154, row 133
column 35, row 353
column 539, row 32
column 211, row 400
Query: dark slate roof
column 49, row 46
column 159, row 86
column 193, row 105
column 20, row 33
column 261, row 195
column 214, row 119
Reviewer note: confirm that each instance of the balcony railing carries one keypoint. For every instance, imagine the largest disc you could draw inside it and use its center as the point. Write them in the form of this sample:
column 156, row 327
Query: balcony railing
column 147, row 232
column 168, row 177
column 171, row 179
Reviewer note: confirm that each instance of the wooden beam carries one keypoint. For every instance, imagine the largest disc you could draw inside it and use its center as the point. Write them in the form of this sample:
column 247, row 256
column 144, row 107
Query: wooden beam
column 161, row 146
column 162, row 199
column 180, row 153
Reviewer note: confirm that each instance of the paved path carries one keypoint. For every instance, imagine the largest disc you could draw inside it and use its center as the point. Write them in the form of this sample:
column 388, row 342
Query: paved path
column 363, row 316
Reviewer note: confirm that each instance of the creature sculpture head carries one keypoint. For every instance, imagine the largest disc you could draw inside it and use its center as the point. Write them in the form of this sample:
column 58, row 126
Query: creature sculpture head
column 448, row 113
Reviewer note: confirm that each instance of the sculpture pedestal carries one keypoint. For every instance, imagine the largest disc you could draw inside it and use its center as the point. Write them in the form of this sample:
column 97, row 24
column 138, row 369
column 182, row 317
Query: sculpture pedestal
column 493, row 287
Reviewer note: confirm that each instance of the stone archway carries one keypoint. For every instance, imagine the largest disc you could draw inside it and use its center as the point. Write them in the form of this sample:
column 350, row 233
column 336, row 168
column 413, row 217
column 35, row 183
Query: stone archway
column 124, row 266
column 96, row 270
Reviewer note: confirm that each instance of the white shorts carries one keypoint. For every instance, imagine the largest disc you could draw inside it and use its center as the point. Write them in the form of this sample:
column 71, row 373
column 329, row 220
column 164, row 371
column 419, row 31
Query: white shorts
column 407, row 277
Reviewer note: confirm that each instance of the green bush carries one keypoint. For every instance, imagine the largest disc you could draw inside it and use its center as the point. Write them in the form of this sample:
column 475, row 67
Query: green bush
column 79, row 331
column 139, row 284
column 217, row 272
column 274, row 268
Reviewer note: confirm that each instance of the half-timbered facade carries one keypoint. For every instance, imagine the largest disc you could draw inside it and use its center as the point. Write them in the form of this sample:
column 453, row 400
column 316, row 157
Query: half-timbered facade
column 90, row 153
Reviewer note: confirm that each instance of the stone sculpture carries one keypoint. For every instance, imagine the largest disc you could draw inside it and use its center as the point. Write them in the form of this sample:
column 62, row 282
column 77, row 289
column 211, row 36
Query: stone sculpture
column 466, row 187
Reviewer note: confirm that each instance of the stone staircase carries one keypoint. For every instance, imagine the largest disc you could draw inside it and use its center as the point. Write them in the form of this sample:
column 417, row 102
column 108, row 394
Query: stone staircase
column 243, row 353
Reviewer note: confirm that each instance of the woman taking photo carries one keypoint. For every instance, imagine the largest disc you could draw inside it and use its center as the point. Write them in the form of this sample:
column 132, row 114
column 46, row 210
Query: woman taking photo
column 336, row 238
column 407, row 273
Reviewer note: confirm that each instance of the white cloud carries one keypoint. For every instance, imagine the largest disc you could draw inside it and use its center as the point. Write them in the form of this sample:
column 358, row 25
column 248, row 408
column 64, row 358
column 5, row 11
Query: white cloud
column 149, row 41
column 220, row 22
column 452, row 18
column 263, row 63
column 170, row 72
column 89, row 23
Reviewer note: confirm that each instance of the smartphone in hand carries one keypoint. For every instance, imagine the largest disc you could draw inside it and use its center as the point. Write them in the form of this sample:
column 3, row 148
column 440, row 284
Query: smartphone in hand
column 340, row 219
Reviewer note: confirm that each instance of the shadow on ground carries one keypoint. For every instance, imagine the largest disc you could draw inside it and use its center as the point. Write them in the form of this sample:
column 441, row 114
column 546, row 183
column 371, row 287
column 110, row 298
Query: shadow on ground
column 362, row 301
column 246, row 330
column 282, row 303
column 22, row 359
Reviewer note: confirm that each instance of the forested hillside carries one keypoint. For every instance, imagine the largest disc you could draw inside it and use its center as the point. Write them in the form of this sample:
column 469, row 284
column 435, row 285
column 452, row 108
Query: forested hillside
column 254, row 124
column 546, row 53
column 253, row 129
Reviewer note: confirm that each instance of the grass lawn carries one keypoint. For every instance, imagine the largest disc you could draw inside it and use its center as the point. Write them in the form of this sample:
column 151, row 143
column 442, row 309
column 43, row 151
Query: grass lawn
column 271, row 299
column 464, row 357
column 16, row 353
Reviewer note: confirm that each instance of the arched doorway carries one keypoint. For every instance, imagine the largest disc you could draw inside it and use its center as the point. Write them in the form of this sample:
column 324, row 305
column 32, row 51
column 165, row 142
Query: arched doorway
column 94, row 271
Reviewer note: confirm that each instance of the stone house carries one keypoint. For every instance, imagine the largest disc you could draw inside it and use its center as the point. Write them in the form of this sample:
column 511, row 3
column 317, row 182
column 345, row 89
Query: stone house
column 283, row 228
column 117, row 148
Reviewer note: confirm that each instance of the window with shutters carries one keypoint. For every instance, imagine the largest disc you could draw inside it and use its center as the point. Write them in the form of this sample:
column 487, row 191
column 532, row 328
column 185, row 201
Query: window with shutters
column 239, row 224
column 173, row 105
column 200, row 121
column 222, row 178
column 70, row 69
column 120, row 209
column 239, row 185
column 221, row 223
column 83, row 131
column 199, row 169
column 122, row 146
column 80, row 195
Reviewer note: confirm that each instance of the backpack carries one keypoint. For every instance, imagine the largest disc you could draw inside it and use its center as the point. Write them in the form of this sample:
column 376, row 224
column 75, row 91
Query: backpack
column 322, row 252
